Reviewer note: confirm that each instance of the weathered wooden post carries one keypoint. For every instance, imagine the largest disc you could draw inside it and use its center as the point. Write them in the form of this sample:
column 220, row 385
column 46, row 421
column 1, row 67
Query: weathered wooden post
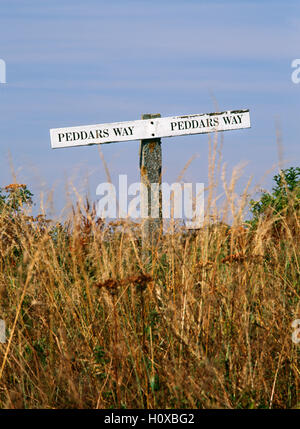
column 151, row 196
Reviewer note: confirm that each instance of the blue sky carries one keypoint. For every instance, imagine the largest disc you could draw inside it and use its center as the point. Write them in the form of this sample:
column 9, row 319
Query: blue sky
column 87, row 62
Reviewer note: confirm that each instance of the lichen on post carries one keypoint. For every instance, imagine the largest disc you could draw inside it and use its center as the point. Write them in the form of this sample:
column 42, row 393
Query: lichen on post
column 151, row 197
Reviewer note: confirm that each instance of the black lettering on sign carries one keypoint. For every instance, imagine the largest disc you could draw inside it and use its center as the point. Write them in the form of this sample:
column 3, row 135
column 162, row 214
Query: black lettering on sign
column 83, row 135
column 117, row 131
column 76, row 135
column 227, row 120
column 233, row 119
column 123, row 131
column 192, row 124
column 60, row 136
column 68, row 138
column 100, row 134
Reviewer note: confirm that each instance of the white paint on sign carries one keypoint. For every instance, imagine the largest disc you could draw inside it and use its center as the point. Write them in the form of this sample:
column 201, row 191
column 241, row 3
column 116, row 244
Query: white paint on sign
column 149, row 128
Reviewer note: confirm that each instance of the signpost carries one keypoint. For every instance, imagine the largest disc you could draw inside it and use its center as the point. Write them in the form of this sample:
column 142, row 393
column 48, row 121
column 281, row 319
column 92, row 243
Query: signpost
column 149, row 130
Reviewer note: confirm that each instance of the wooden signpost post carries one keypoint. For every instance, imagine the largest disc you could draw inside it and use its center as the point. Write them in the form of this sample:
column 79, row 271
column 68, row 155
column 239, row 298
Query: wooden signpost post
column 149, row 130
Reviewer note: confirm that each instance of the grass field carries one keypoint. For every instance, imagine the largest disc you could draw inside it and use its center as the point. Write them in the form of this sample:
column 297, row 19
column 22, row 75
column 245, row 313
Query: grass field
column 198, row 320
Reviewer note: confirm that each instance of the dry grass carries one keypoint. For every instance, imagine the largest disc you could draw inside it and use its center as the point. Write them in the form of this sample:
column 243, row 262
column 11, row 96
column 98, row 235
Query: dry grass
column 201, row 320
